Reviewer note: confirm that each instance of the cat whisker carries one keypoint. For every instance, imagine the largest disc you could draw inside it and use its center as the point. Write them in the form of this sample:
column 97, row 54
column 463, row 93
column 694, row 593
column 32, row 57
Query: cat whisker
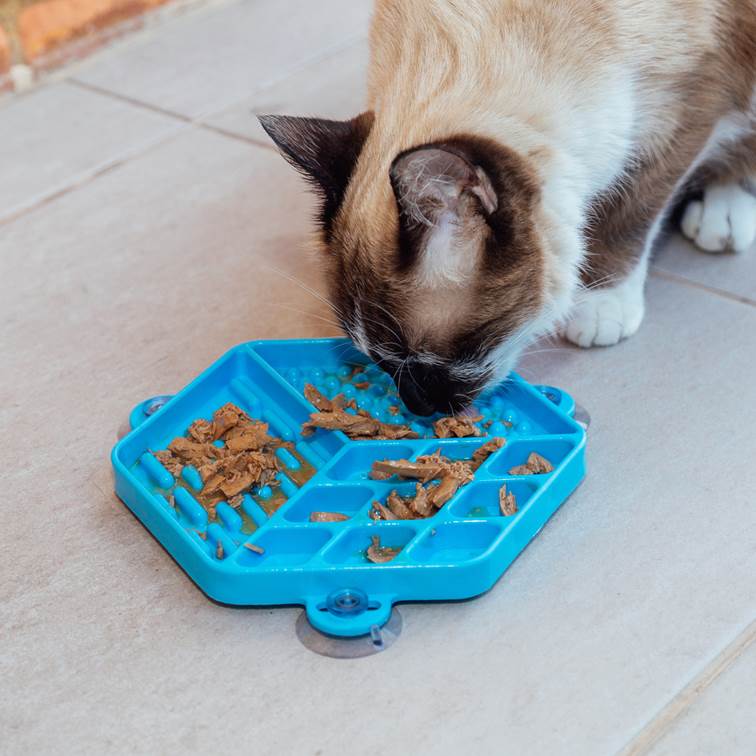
column 398, row 376
column 603, row 281
column 409, row 372
column 531, row 353
column 306, row 314
column 391, row 315
column 306, row 288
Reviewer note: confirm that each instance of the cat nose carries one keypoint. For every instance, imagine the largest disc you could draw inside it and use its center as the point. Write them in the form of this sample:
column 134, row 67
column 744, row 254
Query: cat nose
column 426, row 389
column 415, row 398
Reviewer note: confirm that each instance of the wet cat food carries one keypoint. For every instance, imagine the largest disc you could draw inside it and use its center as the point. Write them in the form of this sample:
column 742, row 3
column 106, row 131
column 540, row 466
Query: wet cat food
column 332, row 415
column 482, row 453
column 456, row 553
column 507, row 502
column 380, row 554
column 457, row 427
column 327, row 517
column 428, row 499
column 244, row 460
column 536, row 465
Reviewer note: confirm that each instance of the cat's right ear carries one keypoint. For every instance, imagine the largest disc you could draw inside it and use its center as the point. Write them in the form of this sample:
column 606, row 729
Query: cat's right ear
column 324, row 151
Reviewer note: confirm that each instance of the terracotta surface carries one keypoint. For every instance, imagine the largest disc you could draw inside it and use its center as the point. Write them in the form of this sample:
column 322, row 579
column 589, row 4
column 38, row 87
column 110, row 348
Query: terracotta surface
column 48, row 24
column 5, row 52
column 624, row 625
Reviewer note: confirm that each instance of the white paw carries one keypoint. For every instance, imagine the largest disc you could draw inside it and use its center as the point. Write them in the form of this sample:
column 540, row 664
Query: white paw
column 724, row 220
column 606, row 316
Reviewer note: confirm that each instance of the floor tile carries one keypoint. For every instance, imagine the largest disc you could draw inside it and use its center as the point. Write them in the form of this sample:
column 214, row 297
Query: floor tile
column 132, row 284
column 720, row 719
column 141, row 278
column 333, row 88
column 89, row 132
column 734, row 274
column 217, row 56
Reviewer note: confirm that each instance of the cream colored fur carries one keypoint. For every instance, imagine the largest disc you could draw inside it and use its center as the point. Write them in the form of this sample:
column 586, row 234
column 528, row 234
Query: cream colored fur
column 583, row 89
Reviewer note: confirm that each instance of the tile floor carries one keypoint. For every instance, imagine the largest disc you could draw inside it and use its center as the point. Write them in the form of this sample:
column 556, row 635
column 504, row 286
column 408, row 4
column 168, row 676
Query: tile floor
column 145, row 227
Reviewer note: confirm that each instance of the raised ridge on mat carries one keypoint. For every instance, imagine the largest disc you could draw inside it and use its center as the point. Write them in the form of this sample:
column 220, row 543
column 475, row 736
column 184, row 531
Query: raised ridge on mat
column 267, row 551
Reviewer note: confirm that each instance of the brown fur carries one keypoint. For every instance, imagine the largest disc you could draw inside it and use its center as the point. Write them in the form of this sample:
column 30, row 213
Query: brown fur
column 511, row 262
column 720, row 79
column 493, row 84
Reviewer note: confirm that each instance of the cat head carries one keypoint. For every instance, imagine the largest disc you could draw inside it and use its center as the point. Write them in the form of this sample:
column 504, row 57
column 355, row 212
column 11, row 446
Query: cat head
column 437, row 268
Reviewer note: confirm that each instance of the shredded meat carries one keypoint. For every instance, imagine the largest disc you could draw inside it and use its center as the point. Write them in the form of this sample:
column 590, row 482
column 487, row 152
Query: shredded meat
column 331, row 415
column 457, row 427
column 536, row 465
column 245, row 460
column 399, row 507
column 482, row 453
column 381, row 512
column 327, row 517
column 379, row 554
column 236, row 501
column 427, row 499
column 424, row 469
column 169, row 462
column 507, row 502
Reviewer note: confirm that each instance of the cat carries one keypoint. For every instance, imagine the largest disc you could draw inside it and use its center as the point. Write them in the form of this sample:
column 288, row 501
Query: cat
column 517, row 162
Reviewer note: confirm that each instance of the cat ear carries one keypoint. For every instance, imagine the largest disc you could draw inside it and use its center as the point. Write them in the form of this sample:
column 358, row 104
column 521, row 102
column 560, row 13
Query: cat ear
column 324, row 151
column 430, row 182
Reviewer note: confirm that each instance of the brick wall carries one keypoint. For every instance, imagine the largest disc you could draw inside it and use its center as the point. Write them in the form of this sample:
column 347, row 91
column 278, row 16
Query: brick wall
column 40, row 32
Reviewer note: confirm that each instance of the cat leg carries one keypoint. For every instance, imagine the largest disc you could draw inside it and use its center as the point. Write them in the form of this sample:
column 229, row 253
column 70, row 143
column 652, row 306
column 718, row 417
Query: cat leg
column 626, row 223
column 723, row 220
column 604, row 316
column 610, row 305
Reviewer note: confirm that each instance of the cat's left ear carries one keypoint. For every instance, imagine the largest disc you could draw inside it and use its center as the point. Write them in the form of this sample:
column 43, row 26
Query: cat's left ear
column 324, row 151
column 429, row 183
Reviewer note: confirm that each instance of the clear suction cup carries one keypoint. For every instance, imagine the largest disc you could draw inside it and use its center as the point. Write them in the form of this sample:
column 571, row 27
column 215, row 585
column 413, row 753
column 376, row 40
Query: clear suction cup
column 581, row 416
column 377, row 640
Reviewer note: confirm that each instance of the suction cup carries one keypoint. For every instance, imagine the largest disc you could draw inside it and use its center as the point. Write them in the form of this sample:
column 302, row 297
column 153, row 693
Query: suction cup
column 581, row 416
column 377, row 640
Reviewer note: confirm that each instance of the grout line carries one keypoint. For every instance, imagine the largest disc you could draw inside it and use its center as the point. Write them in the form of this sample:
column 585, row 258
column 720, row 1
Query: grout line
column 200, row 119
column 663, row 720
column 51, row 196
column 128, row 99
column 186, row 122
column 303, row 65
column 89, row 175
column 676, row 278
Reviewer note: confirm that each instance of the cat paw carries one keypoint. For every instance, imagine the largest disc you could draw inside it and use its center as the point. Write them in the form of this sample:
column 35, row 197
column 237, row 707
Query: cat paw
column 725, row 220
column 606, row 316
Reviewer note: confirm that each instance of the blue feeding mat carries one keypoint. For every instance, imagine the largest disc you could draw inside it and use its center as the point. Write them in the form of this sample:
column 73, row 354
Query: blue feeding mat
column 459, row 552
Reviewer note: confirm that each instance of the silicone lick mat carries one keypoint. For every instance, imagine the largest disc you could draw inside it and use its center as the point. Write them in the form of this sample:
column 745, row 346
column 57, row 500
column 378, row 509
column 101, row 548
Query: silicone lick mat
column 458, row 553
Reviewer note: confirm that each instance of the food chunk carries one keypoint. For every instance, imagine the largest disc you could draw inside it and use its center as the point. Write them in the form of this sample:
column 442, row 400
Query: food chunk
column 457, row 427
column 427, row 499
column 327, row 517
column 536, row 465
column 244, row 461
column 380, row 554
column 482, row 453
column 331, row 415
column 507, row 502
